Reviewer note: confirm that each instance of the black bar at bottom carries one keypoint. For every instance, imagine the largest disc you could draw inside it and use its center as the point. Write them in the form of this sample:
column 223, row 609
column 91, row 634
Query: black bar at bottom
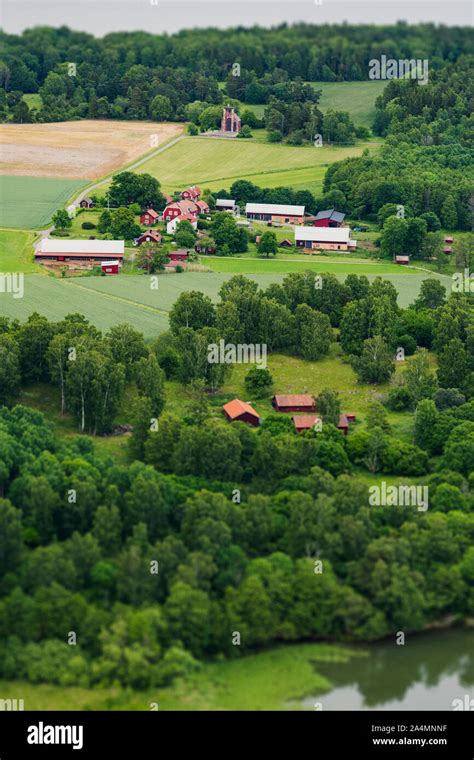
column 154, row 734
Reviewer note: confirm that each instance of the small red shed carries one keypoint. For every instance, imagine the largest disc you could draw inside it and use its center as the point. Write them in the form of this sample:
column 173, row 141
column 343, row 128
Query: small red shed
column 403, row 260
column 343, row 424
column 110, row 267
column 305, row 422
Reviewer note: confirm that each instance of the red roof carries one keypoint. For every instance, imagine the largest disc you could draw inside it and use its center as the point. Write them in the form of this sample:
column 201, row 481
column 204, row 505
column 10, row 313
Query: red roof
column 155, row 236
column 151, row 212
column 184, row 207
column 302, row 399
column 73, row 254
column 235, row 408
column 305, row 421
column 343, row 421
column 202, row 205
column 183, row 217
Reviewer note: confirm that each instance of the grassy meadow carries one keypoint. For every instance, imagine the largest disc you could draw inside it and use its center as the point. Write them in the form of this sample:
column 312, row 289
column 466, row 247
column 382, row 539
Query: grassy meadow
column 275, row 679
column 358, row 98
column 216, row 163
column 16, row 252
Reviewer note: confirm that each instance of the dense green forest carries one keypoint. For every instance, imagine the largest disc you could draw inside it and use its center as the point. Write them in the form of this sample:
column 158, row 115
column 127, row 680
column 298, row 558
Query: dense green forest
column 133, row 574
column 427, row 160
column 139, row 75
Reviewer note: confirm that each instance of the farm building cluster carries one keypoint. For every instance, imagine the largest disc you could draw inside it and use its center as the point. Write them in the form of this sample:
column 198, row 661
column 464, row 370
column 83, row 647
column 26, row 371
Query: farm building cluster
column 302, row 407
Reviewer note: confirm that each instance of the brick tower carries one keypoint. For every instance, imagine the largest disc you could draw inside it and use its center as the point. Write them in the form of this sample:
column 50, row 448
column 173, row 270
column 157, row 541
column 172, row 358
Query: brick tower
column 230, row 121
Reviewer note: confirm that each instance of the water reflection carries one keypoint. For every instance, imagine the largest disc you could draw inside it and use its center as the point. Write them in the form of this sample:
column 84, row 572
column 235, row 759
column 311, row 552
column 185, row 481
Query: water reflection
column 427, row 673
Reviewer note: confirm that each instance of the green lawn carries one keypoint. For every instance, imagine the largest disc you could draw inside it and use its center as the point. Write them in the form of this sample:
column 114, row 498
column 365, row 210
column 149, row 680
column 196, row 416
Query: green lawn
column 218, row 163
column 358, row 98
column 29, row 202
column 55, row 298
column 16, row 252
column 276, row 679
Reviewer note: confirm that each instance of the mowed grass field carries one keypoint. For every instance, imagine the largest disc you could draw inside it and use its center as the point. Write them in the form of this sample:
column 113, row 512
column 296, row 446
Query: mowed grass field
column 296, row 262
column 29, row 202
column 16, row 252
column 217, row 163
column 106, row 301
column 358, row 98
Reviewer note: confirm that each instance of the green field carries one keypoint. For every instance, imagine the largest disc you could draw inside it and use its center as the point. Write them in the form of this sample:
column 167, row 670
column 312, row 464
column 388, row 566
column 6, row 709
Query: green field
column 16, row 252
column 111, row 300
column 276, row 679
column 29, row 202
column 358, row 98
column 297, row 262
column 55, row 298
column 216, row 163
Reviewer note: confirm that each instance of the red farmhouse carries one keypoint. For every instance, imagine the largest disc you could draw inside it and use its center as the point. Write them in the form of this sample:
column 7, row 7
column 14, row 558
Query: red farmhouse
column 149, row 217
column 150, row 236
column 192, row 193
column 239, row 410
column 180, row 208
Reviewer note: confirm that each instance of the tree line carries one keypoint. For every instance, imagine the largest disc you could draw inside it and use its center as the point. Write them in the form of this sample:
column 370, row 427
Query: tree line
column 138, row 75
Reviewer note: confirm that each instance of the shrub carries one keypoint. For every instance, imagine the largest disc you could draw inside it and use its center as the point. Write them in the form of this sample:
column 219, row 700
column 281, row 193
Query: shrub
column 245, row 131
column 88, row 226
column 275, row 136
column 399, row 399
column 258, row 381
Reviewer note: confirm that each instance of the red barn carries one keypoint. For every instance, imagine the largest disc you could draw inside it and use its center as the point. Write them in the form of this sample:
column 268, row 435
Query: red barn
column 150, row 236
column 192, row 193
column 87, row 203
column 329, row 218
column 294, row 403
column 239, row 410
column 403, row 260
column 110, row 267
column 180, row 255
column 149, row 217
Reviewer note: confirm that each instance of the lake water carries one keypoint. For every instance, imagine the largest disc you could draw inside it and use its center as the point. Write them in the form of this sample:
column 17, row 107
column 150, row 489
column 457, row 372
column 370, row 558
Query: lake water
column 427, row 673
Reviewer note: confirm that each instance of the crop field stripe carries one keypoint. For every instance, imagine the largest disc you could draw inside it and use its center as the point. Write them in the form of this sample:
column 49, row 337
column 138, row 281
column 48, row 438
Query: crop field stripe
column 117, row 298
